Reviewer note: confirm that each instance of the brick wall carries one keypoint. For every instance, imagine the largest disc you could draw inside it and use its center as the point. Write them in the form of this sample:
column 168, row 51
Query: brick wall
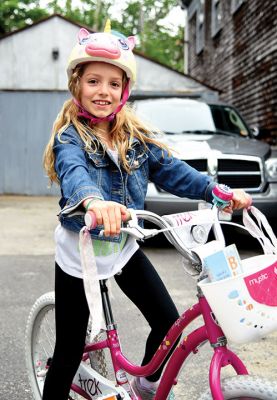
column 241, row 60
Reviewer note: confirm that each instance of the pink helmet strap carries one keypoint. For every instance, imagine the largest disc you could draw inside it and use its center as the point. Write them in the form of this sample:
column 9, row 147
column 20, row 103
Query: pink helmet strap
column 95, row 120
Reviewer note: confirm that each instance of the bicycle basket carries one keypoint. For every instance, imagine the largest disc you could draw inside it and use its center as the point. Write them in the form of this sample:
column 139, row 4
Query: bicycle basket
column 246, row 305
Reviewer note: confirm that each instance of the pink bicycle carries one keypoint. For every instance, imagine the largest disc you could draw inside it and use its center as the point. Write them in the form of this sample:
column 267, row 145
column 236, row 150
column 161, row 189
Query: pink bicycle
column 92, row 381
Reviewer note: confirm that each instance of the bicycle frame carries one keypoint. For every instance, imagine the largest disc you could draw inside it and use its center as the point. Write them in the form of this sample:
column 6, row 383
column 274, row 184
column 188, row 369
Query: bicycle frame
column 91, row 385
column 209, row 331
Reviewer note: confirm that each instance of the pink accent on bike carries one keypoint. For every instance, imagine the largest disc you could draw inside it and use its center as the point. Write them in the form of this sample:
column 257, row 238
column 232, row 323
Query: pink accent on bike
column 161, row 353
column 183, row 218
column 187, row 346
column 262, row 285
column 221, row 358
column 90, row 220
column 210, row 331
column 80, row 391
column 223, row 193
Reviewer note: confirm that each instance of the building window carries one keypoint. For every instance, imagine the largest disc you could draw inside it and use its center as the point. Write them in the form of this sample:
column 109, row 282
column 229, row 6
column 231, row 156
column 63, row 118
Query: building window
column 235, row 5
column 200, row 26
column 216, row 17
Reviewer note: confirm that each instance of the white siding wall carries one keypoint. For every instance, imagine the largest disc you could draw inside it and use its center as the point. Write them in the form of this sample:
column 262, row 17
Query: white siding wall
column 155, row 77
column 26, row 122
column 26, row 57
column 27, row 63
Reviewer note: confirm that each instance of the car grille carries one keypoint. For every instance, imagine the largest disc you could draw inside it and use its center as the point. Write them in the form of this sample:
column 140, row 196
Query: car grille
column 200, row 165
column 236, row 171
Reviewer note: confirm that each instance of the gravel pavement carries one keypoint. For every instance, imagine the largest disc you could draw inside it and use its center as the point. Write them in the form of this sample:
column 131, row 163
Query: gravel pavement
column 26, row 267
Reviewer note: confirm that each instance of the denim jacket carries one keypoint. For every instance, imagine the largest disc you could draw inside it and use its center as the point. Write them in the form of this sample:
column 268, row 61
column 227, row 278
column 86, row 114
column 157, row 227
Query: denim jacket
column 84, row 175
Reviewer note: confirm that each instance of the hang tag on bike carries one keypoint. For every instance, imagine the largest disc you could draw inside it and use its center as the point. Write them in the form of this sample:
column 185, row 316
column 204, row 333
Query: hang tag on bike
column 222, row 215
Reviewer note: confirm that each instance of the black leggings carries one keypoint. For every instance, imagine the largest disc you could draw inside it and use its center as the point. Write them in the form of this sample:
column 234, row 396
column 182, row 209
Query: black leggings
column 141, row 283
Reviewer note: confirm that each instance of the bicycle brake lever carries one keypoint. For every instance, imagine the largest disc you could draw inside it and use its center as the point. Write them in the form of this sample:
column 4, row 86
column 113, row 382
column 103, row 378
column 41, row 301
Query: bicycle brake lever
column 135, row 230
column 140, row 233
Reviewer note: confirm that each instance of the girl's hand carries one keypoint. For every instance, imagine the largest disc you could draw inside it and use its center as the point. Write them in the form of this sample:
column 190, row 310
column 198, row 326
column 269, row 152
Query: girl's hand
column 240, row 199
column 110, row 214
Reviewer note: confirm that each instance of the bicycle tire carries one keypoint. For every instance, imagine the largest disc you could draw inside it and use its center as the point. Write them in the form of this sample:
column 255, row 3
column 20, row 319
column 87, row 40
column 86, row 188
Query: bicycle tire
column 246, row 387
column 38, row 351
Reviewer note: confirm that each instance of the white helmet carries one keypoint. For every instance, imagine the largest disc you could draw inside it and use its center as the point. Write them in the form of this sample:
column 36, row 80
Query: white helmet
column 109, row 46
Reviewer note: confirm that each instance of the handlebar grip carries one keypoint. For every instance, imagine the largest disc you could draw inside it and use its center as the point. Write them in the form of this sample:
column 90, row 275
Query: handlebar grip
column 91, row 223
column 222, row 196
column 90, row 220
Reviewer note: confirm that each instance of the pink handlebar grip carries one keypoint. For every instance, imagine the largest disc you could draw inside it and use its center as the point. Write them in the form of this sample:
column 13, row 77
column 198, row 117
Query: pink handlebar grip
column 90, row 220
column 223, row 192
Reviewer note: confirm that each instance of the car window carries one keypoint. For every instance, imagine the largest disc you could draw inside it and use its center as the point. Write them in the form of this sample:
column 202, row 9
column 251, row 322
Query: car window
column 227, row 119
column 175, row 115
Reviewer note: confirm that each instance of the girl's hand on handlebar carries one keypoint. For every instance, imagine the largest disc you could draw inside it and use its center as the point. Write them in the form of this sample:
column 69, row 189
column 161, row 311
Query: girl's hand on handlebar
column 109, row 214
column 240, row 200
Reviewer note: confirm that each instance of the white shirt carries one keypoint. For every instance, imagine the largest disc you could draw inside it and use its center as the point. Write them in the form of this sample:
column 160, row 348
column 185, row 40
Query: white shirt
column 110, row 257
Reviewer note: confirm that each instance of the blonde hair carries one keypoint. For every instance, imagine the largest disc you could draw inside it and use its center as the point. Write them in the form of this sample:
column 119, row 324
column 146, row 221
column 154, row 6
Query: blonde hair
column 124, row 128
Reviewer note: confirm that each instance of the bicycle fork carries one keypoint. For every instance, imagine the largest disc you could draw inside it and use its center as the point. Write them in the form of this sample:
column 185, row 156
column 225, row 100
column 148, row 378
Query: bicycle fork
column 222, row 355
column 88, row 382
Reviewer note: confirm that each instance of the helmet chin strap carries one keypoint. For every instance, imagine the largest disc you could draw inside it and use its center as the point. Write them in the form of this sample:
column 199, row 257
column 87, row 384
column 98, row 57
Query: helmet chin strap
column 96, row 120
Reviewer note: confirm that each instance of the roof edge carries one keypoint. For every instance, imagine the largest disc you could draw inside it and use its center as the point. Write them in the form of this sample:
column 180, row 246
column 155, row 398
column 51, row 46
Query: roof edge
column 91, row 30
column 39, row 21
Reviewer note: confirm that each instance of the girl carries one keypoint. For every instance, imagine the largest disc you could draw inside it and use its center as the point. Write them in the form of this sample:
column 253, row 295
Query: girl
column 102, row 157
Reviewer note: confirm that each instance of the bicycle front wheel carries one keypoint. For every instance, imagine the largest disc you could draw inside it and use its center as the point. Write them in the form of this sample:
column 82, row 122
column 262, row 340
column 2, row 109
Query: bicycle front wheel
column 40, row 341
column 246, row 387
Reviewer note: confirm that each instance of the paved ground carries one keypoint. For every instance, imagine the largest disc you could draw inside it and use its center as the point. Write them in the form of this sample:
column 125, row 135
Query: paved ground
column 26, row 267
column 27, row 225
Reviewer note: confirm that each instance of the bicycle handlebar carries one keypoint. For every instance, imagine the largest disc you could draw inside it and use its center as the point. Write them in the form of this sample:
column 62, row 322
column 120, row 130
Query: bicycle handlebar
column 90, row 219
column 222, row 196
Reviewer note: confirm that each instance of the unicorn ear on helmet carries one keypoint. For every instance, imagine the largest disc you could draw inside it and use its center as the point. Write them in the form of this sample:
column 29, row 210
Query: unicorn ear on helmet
column 131, row 42
column 83, row 33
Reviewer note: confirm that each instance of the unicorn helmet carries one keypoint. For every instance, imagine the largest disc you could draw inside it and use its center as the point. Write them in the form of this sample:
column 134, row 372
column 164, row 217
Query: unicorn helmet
column 109, row 46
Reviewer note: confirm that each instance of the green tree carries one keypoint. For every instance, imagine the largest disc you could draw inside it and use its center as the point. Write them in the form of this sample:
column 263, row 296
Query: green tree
column 15, row 14
column 155, row 39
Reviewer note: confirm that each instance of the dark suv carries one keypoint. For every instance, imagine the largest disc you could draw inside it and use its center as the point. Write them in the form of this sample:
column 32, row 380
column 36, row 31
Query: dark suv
column 215, row 140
